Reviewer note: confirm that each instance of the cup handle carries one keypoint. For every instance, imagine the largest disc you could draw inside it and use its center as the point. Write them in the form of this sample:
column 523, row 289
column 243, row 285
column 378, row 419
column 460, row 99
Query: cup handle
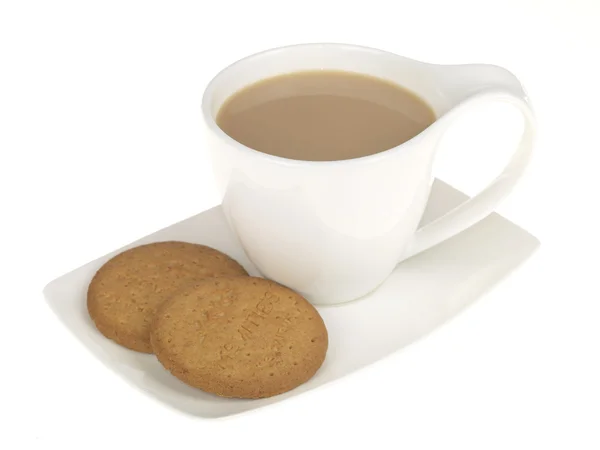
column 491, row 84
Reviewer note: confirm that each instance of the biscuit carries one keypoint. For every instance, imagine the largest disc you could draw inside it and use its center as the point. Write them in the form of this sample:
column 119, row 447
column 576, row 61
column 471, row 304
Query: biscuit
column 239, row 337
column 125, row 293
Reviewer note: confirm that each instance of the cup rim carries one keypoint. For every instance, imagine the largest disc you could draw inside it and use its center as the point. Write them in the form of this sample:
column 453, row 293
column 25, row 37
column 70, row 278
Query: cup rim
column 214, row 127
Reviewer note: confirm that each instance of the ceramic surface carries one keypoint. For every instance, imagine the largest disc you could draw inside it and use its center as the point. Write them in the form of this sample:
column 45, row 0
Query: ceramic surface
column 421, row 294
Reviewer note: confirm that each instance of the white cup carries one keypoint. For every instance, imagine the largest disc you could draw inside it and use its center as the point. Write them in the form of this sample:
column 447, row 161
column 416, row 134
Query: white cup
column 335, row 230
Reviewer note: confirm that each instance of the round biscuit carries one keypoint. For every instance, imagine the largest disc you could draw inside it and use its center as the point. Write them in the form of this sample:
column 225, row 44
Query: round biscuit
column 125, row 293
column 240, row 337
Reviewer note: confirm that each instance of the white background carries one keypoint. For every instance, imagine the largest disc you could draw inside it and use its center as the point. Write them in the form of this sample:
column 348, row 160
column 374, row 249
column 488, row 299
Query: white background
column 100, row 144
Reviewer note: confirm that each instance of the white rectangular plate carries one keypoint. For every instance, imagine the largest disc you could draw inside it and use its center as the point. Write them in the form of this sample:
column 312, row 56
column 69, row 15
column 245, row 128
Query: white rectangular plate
column 421, row 294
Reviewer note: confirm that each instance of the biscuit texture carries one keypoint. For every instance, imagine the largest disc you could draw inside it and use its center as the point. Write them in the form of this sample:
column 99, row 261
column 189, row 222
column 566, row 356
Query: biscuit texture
column 125, row 293
column 240, row 337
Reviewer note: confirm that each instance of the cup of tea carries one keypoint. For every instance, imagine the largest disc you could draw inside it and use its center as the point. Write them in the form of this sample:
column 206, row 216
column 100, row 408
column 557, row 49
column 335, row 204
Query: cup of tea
column 323, row 155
